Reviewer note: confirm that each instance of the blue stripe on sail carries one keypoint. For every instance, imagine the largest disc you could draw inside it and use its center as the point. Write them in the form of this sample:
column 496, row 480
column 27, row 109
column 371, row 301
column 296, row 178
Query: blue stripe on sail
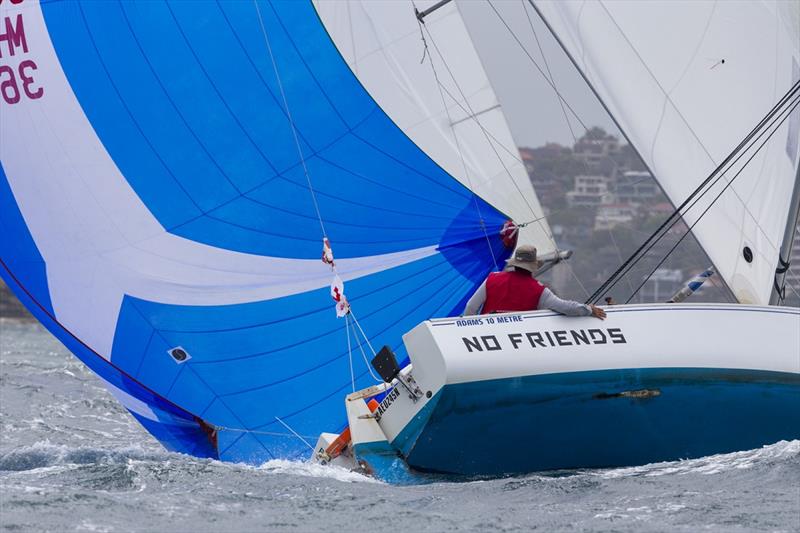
column 176, row 429
column 18, row 250
column 284, row 358
column 208, row 147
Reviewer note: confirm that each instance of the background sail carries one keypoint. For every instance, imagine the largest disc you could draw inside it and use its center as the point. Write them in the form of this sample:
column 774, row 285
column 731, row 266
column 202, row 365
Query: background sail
column 382, row 42
column 153, row 197
column 687, row 81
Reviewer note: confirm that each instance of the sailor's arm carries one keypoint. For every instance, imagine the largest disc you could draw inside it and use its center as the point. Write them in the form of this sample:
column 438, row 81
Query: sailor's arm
column 476, row 302
column 548, row 300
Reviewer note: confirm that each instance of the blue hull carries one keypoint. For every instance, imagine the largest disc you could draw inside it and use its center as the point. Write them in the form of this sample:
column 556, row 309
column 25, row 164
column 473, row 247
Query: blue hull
column 592, row 420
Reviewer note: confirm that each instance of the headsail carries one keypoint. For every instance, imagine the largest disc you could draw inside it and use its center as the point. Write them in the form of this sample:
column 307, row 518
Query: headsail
column 157, row 213
column 686, row 81
column 461, row 124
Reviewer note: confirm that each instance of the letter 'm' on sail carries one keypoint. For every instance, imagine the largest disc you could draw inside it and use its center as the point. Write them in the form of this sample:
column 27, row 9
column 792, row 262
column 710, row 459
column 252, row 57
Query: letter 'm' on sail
column 460, row 125
column 687, row 81
column 153, row 196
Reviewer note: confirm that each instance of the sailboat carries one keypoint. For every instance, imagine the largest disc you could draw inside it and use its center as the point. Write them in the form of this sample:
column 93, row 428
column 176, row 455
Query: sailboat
column 522, row 392
column 227, row 210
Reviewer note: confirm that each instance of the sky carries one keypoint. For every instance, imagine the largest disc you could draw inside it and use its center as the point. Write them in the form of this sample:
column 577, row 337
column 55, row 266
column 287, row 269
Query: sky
column 531, row 105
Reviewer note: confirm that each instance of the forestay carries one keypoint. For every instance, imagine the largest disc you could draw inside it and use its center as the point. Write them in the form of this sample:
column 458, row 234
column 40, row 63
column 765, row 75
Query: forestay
column 687, row 81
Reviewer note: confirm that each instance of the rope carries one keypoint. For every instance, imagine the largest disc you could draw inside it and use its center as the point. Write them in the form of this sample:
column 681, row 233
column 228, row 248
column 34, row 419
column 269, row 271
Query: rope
column 291, row 120
column 525, row 50
column 549, row 76
column 361, row 347
column 364, row 355
column 349, row 352
column 296, row 434
column 259, row 432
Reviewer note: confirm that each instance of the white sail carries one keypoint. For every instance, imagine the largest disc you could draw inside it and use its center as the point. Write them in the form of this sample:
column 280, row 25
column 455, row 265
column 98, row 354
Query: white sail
column 382, row 43
column 687, row 81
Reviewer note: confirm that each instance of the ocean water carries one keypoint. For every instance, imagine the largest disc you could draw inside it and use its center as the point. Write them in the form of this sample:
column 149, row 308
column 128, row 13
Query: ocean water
column 71, row 459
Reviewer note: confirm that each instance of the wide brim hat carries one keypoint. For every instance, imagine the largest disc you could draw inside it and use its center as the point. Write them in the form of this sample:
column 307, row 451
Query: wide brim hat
column 525, row 257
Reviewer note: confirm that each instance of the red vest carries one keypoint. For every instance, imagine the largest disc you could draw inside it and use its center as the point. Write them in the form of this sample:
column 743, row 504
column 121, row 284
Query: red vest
column 511, row 291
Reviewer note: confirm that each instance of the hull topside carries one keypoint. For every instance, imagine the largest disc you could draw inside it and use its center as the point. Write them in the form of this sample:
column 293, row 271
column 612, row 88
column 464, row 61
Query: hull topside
column 603, row 419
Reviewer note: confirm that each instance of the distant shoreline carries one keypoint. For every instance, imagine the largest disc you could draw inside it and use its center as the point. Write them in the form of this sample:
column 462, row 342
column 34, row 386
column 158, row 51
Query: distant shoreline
column 11, row 307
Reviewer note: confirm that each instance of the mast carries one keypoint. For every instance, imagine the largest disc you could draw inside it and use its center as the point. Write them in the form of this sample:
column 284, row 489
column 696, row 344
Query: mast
column 784, row 254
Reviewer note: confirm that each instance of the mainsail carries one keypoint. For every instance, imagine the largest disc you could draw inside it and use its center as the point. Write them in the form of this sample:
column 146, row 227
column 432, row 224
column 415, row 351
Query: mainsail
column 169, row 171
column 686, row 106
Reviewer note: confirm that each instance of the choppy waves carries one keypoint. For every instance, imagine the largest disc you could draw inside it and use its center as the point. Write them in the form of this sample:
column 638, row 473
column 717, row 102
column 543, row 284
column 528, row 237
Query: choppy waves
column 71, row 459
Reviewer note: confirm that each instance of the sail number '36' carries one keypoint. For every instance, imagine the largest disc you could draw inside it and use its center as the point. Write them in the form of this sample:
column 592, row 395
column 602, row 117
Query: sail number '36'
column 16, row 79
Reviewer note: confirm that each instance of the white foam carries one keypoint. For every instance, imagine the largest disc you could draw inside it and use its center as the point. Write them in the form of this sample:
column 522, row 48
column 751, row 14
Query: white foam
column 712, row 464
column 309, row 469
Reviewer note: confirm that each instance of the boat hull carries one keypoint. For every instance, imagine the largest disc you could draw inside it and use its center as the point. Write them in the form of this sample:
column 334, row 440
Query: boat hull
column 604, row 419
column 526, row 392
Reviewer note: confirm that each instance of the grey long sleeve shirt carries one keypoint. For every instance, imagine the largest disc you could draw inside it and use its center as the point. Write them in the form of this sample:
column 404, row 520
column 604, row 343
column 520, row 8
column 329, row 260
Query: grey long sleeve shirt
column 548, row 300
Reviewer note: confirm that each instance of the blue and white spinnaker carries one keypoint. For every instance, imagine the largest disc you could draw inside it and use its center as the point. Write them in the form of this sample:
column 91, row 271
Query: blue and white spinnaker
column 168, row 172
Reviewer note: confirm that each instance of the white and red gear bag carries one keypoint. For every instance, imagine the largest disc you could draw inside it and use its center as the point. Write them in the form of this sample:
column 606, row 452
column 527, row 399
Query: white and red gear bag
column 509, row 234
column 337, row 293
column 327, row 252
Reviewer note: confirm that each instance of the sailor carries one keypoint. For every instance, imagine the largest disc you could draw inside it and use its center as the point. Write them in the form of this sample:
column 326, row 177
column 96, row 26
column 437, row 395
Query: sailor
column 515, row 289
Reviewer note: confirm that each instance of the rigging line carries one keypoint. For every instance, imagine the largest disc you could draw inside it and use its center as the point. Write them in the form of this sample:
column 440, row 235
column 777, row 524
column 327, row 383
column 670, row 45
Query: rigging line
column 421, row 35
column 257, row 432
column 552, row 80
column 530, row 57
column 296, row 434
column 473, row 115
column 761, row 134
column 676, row 214
column 422, row 30
column 364, row 355
column 696, row 200
column 291, row 120
column 549, row 72
column 711, row 204
column 349, row 351
column 727, row 185
column 362, row 332
column 486, row 135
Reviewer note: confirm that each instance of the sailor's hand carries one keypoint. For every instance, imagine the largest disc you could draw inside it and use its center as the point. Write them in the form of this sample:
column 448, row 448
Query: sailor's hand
column 597, row 312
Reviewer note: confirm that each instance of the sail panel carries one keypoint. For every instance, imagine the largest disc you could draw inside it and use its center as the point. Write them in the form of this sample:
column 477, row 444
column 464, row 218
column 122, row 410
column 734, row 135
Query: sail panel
column 153, row 198
column 687, row 81
column 463, row 127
